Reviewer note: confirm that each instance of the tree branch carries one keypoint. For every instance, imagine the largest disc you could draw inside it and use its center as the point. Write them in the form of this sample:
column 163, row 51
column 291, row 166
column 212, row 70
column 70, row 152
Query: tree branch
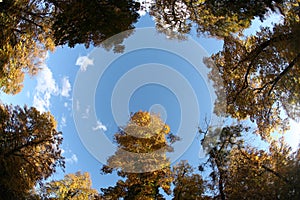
column 266, row 168
column 254, row 53
column 26, row 145
column 32, row 22
column 284, row 72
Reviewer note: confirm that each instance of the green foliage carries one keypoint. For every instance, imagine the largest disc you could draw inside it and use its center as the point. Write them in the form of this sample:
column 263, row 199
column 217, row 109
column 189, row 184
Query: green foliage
column 29, row 150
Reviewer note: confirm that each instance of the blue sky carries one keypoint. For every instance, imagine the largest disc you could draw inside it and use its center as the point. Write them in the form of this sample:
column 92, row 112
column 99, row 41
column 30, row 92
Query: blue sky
column 53, row 90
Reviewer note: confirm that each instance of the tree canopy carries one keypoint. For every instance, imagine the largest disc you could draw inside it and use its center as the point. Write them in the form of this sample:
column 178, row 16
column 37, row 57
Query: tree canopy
column 91, row 22
column 76, row 186
column 187, row 185
column 257, row 174
column 25, row 38
column 30, row 28
column 261, row 74
column 29, row 150
column 260, row 79
column 145, row 168
column 211, row 17
column 239, row 171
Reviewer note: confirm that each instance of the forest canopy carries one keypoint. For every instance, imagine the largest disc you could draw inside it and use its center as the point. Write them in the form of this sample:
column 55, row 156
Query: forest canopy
column 33, row 27
column 260, row 79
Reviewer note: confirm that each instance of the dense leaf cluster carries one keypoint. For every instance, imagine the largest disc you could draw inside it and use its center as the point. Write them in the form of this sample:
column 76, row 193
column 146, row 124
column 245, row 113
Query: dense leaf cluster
column 29, row 150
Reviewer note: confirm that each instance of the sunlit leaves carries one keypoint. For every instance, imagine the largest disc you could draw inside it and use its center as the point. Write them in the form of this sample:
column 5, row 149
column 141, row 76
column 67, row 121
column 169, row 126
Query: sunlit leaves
column 30, row 28
column 25, row 38
column 260, row 72
column 30, row 149
column 244, row 9
column 237, row 171
column 74, row 186
column 187, row 184
column 258, row 174
column 261, row 75
column 141, row 159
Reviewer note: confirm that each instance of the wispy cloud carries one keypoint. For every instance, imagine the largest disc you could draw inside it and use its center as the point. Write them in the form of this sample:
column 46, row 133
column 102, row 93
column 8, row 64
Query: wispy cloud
column 46, row 87
column 84, row 62
column 71, row 160
column 70, row 157
column 66, row 104
column 66, row 87
column 99, row 126
column 63, row 122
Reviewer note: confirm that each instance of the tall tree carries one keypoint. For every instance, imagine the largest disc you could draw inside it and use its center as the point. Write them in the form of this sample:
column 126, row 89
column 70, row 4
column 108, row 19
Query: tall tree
column 29, row 150
column 25, row 38
column 30, row 28
column 259, row 174
column 246, row 172
column 91, row 22
column 76, row 186
column 140, row 159
column 218, row 144
column 261, row 74
column 187, row 185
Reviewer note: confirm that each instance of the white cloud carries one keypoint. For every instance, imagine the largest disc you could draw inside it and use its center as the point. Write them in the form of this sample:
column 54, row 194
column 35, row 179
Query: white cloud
column 66, row 87
column 99, row 126
column 63, row 121
column 84, row 62
column 66, row 104
column 28, row 94
column 46, row 87
column 73, row 159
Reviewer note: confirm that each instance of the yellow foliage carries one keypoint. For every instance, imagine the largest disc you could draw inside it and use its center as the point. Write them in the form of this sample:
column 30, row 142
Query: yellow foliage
column 141, row 157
